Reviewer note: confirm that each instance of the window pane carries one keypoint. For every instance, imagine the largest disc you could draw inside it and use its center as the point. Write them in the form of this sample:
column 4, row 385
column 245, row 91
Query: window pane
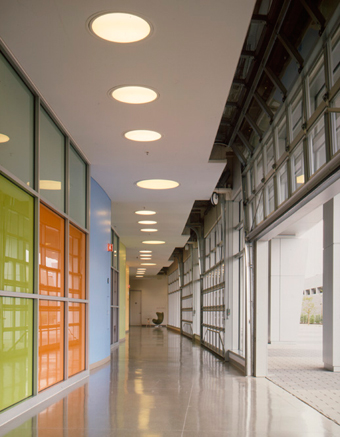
column 16, row 238
column 281, row 138
column 283, row 183
column 296, row 116
column 52, row 161
column 298, row 168
column 317, row 145
column 259, row 170
column 76, row 263
column 336, row 124
column 17, row 123
column 51, row 254
column 77, row 188
column 16, row 347
column 270, row 159
column 259, row 207
column 270, row 196
column 336, row 56
column 76, row 338
column 317, row 87
column 51, row 343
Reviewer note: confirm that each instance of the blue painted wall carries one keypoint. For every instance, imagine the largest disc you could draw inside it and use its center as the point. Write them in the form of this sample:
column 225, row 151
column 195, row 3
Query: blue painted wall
column 100, row 269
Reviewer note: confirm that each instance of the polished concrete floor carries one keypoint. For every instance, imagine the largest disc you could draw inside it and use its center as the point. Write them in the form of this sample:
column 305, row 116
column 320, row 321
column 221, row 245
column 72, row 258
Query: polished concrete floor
column 159, row 384
column 298, row 368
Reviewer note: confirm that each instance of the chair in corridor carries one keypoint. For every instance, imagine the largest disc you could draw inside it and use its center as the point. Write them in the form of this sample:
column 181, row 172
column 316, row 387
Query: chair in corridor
column 159, row 320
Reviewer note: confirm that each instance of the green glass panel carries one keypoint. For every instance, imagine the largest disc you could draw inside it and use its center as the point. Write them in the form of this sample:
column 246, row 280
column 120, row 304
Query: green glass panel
column 52, row 161
column 77, row 188
column 16, row 238
column 16, row 123
column 16, row 350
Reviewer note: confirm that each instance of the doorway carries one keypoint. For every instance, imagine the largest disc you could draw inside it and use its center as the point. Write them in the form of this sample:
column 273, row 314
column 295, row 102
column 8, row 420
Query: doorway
column 114, row 307
column 135, row 308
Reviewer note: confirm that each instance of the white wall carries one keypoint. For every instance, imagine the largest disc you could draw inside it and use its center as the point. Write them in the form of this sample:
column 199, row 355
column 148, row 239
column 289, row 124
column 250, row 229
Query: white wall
column 287, row 278
column 154, row 296
column 314, row 255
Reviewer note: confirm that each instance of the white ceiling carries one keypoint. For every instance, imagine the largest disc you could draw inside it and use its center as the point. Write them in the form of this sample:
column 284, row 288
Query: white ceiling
column 190, row 59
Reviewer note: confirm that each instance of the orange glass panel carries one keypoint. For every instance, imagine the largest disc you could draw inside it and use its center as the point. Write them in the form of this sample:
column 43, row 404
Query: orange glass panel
column 76, row 338
column 51, row 253
column 76, row 263
column 51, row 343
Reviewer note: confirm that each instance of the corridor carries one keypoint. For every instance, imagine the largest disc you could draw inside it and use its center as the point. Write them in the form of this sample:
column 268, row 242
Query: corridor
column 159, row 385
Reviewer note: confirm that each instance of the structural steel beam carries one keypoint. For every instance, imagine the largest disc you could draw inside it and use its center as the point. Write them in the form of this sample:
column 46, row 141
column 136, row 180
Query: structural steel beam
column 263, row 105
column 272, row 31
column 253, row 124
column 245, row 142
column 276, row 81
column 291, row 49
column 239, row 154
column 314, row 13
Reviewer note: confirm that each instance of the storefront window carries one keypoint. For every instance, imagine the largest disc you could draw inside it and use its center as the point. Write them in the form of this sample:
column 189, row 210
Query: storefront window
column 270, row 198
column 283, row 183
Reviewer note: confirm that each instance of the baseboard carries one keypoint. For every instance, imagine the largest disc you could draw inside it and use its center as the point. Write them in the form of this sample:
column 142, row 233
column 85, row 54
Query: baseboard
column 174, row 328
column 99, row 363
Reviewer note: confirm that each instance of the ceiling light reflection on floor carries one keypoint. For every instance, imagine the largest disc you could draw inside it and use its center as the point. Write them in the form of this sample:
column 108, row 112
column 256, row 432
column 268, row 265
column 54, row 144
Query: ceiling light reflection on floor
column 142, row 135
column 120, row 27
column 157, row 184
column 134, row 95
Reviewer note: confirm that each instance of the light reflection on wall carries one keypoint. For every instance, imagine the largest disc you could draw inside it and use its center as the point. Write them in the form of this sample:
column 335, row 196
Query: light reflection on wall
column 51, row 271
column 51, row 343
column 16, row 350
column 76, row 338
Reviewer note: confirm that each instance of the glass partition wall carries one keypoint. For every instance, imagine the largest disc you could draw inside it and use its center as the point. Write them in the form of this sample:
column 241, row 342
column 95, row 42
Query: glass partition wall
column 43, row 245
column 302, row 139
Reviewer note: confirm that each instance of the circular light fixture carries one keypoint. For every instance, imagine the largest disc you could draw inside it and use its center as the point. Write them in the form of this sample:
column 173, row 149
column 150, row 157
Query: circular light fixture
column 134, row 95
column 145, row 251
column 148, row 264
column 157, row 184
column 120, row 27
column 145, row 212
column 153, row 242
column 149, row 230
column 147, row 222
column 142, row 135
column 3, row 138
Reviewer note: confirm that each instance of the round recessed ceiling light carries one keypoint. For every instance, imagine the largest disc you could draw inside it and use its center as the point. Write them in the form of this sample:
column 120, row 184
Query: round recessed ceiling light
column 149, row 230
column 142, row 135
column 120, row 27
column 145, row 251
column 134, row 95
column 157, row 184
column 153, row 242
column 3, row 138
column 148, row 264
column 147, row 222
column 145, row 212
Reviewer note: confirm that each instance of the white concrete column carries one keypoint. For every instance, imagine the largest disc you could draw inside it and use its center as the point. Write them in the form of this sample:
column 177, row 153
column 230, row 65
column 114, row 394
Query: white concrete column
column 331, row 284
column 261, row 309
column 230, row 302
